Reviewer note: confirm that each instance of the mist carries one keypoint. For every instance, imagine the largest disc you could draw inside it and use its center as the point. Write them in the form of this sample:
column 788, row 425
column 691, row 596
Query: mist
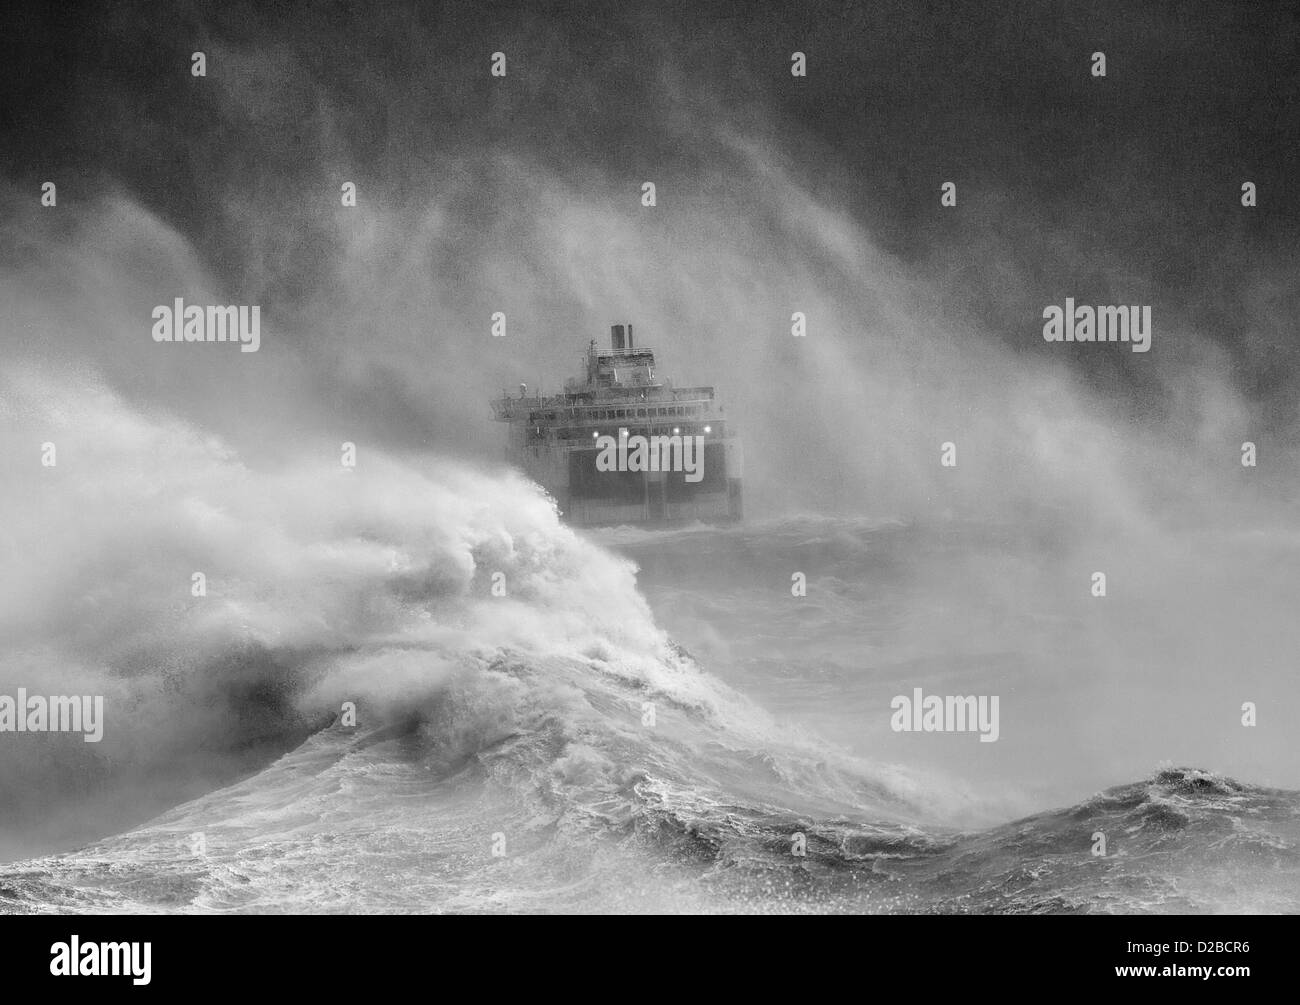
column 922, row 330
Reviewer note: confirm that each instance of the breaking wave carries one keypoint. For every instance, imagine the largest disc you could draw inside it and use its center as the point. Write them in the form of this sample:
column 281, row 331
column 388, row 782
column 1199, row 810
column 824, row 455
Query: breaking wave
column 408, row 687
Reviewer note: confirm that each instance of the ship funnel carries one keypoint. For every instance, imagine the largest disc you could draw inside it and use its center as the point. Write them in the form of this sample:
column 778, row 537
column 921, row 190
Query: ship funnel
column 629, row 336
column 616, row 336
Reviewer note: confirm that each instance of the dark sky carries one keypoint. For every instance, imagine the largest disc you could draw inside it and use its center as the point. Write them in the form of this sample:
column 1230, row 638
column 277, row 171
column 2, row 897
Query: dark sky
column 1124, row 189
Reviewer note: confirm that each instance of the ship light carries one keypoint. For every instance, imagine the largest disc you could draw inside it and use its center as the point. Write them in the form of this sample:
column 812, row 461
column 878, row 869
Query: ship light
column 595, row 433
column 677, row 430
column 708, row 429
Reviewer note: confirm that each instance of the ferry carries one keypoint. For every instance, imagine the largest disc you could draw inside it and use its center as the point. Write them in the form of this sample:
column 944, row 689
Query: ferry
column 575, row 444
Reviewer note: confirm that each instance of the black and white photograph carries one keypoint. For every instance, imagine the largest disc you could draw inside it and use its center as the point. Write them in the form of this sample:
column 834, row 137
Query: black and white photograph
column 684, row 458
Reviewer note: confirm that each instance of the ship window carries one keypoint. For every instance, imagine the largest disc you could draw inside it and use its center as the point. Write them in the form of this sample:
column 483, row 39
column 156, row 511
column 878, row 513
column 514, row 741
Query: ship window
column 640, row 413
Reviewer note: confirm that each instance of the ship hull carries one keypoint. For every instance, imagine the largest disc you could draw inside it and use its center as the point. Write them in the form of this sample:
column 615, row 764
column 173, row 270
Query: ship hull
column 589, row 497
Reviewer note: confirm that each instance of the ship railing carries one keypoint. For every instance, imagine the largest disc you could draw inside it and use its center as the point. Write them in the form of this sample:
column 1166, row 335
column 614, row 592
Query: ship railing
column 507, row 407
column 634, row 351
column 549, row 440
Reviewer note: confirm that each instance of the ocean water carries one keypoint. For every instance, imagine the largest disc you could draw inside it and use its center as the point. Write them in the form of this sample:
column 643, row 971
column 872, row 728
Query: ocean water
column 644, row 722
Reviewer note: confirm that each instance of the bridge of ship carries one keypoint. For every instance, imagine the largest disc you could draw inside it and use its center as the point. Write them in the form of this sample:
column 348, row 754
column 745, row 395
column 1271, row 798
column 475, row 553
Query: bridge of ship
column 620, row 391
column 569, row 420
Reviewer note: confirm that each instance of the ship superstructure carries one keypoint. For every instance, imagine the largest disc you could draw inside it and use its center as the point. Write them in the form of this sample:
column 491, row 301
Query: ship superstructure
column 622, row 445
